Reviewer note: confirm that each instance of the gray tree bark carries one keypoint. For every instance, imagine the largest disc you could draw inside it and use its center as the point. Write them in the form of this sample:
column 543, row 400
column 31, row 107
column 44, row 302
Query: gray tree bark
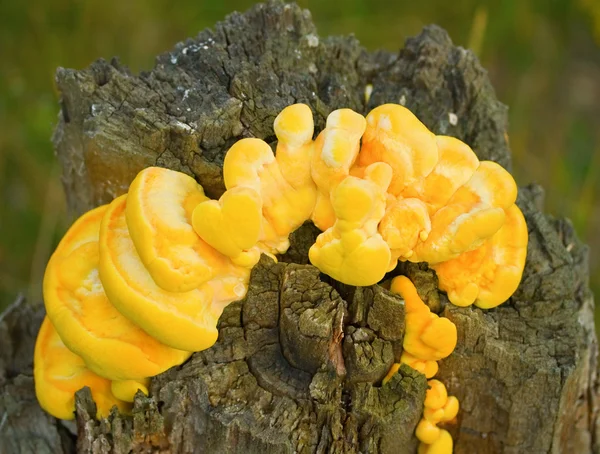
column 299, row 362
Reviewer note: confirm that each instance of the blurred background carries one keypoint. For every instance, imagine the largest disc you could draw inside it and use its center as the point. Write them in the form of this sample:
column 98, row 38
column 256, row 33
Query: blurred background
column 543, row 57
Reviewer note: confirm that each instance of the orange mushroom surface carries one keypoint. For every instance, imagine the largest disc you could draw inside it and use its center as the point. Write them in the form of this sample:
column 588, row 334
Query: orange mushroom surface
column 396, row 136
column 110, row 344
column 427, row 337
column 182, row 320
column 159, row 210
column 439, row 407
column 472, row 215
column 490, row 274
column 59, row 373
column 352, row 251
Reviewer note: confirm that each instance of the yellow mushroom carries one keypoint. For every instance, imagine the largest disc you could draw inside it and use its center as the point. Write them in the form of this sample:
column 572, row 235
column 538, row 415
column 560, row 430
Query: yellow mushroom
column 294, row 128
column 456, row 165
column 352, row 251
column 169, row 259
column 396, row 136
column 182, row 320
column 490, row 274
column 111, row 345
column 250, row 163
column 406, row 222
column 473, row 214
column 427, row 336
column 393, row 371
column 427, row 367
column 232, row 225
column 439, row 407
column 442, row 445
column 267, row 197
column 59, row 373
column 126, row 390
column 335, row 151
column 159, row 211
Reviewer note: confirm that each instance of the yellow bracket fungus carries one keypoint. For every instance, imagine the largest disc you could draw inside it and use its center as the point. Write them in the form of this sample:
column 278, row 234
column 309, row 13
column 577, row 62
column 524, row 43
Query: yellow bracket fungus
column 181, row 320
column 159, row 207
column 396, row 136
column 472, row 215
column 136, row 286
column 126, row 389
column 250, row 163
column 490, row 274
column 110, row 344
column 427, row 338
column 232, row 225
column 59, row 373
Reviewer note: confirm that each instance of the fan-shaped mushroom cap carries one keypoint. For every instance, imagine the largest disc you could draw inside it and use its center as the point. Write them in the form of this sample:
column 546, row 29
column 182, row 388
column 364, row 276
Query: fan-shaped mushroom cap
column 159, row 212
column 472, row 215
column 182, row 320
column 232, row 225
column 294, row 128
column 490, row 274
column 59, row 373
column 456, row 165
column 396, row 136
column 110, row 344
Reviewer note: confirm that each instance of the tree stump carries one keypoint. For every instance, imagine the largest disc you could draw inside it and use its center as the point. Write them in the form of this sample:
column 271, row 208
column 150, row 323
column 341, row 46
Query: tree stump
column 299, row 362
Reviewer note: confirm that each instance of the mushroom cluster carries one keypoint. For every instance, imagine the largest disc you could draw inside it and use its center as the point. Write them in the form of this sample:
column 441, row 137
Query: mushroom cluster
column 137, row 285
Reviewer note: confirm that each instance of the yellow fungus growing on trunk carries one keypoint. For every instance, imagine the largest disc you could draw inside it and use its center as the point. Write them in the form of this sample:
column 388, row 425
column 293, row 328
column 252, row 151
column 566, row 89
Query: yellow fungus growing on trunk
column 59, row 373
column 159, row 209
column 136, row 286
column 182, row 320
column 110, row 344
column 490, row 274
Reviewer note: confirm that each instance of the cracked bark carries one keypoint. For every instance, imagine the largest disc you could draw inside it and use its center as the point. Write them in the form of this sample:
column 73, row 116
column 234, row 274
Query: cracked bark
column 299, row 362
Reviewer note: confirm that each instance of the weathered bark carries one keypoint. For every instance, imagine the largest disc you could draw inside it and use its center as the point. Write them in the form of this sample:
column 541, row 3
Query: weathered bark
column 299, row 362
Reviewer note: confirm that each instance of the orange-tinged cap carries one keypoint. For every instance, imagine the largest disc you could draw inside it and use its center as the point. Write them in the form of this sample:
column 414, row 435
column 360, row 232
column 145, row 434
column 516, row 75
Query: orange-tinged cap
column 59, row 373
column 490, row 274
column 182, row 320
column 159, row 219
column 111, row 345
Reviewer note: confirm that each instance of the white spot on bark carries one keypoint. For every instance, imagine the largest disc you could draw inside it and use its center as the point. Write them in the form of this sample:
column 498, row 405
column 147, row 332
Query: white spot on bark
column 312, row 40
column 368, row 91
column 180, row 125
column 402, row 100
column 452, row 118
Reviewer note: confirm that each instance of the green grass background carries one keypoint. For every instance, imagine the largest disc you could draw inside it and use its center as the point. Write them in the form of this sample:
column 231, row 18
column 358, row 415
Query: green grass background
column 543, row 57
